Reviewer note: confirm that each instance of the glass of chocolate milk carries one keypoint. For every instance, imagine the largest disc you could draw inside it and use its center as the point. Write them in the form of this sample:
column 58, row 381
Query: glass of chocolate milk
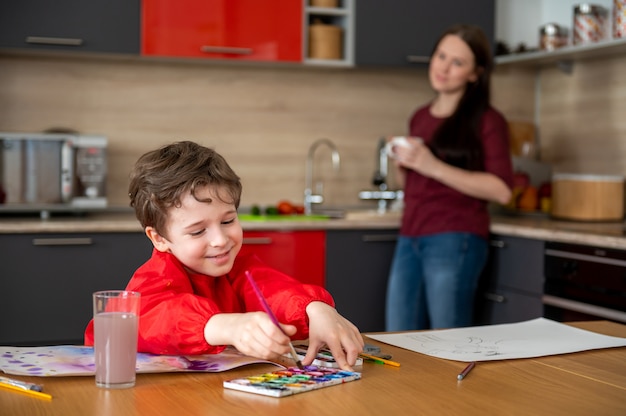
column 116, row 318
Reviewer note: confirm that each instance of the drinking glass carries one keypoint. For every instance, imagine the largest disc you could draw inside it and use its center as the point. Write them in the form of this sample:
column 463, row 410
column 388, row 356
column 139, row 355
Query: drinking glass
column 116, row 317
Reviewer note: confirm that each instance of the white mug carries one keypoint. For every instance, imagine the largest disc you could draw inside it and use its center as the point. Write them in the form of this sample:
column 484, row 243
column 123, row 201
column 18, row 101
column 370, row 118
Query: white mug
column 399, row 141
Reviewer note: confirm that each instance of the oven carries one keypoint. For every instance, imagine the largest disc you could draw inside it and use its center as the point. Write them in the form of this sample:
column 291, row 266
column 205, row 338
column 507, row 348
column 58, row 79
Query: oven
column 584, row 283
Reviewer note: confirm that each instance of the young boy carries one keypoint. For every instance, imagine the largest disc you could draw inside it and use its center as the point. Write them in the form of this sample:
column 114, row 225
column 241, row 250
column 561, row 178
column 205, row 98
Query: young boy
column 195, row 297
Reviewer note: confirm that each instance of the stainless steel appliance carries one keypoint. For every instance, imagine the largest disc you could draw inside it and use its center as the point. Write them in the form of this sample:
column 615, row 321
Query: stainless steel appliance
column 584, row 283
column 45, row 172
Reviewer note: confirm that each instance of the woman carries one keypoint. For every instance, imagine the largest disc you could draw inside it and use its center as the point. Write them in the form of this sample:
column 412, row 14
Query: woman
column 456, row 162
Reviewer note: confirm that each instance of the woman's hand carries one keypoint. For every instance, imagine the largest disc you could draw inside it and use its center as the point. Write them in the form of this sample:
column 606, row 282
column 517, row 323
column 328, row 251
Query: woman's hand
column 252, row 333
column 418, row 157
column 328, row 328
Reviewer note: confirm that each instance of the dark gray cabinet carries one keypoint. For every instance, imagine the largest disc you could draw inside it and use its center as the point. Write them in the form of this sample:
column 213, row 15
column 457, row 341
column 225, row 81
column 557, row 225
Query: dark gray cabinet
column 96, row 25
column 46, row 281
column 357, row 268
column 511, row 285
column 392, row 33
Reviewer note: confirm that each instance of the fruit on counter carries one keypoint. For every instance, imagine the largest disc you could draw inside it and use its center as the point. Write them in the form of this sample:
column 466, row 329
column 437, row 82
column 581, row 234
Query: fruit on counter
column 545, row 197
column 515, row 194
column 271, row 210
column 545, row 190
column 285, row 208
column 529, row 199
column 289, row 208
column 521, row 181
column 526, row 197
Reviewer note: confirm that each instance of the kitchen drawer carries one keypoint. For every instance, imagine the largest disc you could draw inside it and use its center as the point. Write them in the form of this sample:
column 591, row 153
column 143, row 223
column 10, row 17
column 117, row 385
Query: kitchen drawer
column 47, row 280
column 516, row 263
column 511, row 285
column 299, row 254
column 501, row 306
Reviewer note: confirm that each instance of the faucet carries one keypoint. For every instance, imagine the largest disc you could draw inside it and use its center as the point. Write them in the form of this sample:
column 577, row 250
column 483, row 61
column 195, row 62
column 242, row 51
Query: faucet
column 383, row 195
column 309, row 197
column 380, row 177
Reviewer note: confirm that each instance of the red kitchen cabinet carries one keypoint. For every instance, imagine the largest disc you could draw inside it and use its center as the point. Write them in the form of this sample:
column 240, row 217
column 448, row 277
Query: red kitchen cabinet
column 255, row 30
column 300, row 254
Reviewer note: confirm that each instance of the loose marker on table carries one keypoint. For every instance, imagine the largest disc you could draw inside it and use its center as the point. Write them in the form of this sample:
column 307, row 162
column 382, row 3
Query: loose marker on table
column 267, row 309
column 379, row 360
column 465, row 371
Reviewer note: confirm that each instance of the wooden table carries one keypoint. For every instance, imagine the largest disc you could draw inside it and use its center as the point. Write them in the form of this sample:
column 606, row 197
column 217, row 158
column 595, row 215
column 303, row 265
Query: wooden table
column 586, row 383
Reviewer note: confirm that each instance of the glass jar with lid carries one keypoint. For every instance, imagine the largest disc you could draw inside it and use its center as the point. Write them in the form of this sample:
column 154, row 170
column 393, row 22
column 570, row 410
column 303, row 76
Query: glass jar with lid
column 552, row 36
column 590, row 23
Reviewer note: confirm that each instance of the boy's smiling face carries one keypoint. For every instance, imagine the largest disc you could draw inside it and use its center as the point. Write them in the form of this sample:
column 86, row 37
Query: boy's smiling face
column 204, row 236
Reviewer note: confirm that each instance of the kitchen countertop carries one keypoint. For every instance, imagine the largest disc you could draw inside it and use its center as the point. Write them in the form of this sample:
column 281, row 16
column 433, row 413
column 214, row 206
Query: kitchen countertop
column 602, row 234
column 609, row 235
column 125, row 221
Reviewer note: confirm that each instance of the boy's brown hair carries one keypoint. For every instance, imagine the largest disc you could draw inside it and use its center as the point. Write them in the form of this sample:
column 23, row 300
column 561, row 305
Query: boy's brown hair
column 160, row 178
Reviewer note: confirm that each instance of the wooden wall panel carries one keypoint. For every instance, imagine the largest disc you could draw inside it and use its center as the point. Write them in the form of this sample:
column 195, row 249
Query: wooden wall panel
column 582, row 117
column 262, row 119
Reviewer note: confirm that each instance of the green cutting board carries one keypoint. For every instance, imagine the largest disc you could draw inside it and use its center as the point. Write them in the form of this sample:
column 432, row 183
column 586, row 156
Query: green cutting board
column 267, row 218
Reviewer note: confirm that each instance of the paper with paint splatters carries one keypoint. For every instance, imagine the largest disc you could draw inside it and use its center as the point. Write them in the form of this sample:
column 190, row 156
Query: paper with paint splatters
column 71, row 360
column 292, row 381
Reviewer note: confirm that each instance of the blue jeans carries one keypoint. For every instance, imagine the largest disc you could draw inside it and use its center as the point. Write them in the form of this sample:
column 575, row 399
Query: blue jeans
column 433, row 281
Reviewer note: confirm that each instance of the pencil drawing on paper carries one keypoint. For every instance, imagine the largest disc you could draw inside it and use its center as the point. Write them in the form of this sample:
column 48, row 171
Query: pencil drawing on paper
column 534, row 338
column 433, row 345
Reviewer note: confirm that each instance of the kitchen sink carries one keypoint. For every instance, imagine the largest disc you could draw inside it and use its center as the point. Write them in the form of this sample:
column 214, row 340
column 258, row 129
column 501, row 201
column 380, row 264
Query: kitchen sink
column 372, row 214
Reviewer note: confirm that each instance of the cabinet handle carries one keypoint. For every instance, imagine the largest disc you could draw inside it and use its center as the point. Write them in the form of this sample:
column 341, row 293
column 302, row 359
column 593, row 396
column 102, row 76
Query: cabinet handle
column 494, row 297
column 257, row 241
column 497, row 243
column 417, row 59
column 584, row 257
column 377, row 238
column 44, row 40
column 581, row 307
column 78, row 241
column 226, row 49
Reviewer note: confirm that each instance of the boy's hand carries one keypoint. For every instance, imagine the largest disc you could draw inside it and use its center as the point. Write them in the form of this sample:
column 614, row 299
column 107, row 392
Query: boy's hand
column 252, row 333
column 328, row 328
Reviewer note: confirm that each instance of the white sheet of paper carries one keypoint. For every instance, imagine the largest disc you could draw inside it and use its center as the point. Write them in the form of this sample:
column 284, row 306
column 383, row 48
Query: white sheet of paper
column 535, row 338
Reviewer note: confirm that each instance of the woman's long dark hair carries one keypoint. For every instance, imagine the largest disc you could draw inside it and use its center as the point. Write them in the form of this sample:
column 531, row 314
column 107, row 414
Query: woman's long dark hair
column 457, row 141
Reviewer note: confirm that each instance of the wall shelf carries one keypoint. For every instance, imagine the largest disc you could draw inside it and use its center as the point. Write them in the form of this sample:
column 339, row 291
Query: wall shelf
column 564, row 57
column 342, row 16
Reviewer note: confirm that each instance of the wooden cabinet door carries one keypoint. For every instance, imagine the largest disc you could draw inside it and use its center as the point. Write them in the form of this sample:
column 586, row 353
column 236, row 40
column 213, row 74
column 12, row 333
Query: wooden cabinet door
column 300, row 254
column 388, row 33
column 357, row 270
column 80, row 25
column 46, row 282
column 257, row 30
